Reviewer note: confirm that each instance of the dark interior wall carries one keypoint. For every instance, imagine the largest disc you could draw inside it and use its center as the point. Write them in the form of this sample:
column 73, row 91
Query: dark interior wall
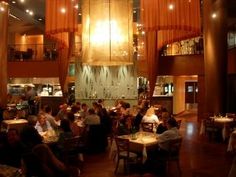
column 231, row 93
column 194, row 65
column 181, row 65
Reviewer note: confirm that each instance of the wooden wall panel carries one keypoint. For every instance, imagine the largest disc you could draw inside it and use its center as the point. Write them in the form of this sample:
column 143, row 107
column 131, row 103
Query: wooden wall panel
column 33, row 69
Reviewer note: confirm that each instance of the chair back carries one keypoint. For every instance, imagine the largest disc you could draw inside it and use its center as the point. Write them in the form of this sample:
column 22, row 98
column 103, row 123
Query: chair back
column 122, row 146
column 147, row 127
column 209, row 124
column 179, row 123
column 71, row 148
column 174, row 146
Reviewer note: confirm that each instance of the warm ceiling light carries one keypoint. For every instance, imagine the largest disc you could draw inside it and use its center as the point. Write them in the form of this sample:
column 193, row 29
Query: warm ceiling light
column 2, row 9
column 63, row 10
column 27, row 10
column 107, row 37
column 80, row 14
column 22, row 1
column 171, row 7
column 31, row 13
column 76, row 6
column 214, row 15
column 40, row 19
column 13, row 2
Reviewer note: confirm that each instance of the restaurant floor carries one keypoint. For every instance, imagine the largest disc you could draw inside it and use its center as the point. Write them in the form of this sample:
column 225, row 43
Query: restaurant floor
column 199, row 157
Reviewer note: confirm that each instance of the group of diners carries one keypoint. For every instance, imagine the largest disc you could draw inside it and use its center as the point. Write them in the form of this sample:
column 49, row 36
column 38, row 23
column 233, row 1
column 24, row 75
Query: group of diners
column 94, row 124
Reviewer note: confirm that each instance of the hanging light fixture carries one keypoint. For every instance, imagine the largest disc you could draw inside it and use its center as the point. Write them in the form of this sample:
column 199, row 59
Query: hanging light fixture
column 107, row 34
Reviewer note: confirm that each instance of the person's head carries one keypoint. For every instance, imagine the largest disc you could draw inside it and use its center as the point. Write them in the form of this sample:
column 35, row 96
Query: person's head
column 84, row 107
column 30, row 136
column 150, row 111
column 48, row 109
column 41, row 119
column 63, row 107
column 95, row 105
column 165, row 116
column 91, row 111
column 65, row 125
column 78, row 105
column 13, row 136
column 171, row 122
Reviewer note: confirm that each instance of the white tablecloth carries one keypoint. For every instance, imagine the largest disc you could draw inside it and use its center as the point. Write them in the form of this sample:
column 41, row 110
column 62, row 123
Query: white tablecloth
column 139, row 144
column 219, row 122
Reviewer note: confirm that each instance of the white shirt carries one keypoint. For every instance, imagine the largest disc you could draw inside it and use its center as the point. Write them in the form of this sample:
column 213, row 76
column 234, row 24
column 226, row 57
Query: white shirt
column 151, row 119
column 43, row 128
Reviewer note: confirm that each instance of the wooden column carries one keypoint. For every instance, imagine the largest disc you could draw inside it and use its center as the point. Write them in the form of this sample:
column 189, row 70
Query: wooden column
column 3, row 52
column 215, row 55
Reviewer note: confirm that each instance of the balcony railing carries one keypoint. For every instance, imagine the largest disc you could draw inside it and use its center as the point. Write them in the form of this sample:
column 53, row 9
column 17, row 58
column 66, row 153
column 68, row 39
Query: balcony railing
column 32, row 52
column 193, row 46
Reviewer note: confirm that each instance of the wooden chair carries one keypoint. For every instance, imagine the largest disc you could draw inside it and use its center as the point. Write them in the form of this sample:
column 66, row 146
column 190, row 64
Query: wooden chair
column 124, row 153
column 210, row 129
column 174, row 146
column 72, row 147
column 179, row 123
column 147, row 127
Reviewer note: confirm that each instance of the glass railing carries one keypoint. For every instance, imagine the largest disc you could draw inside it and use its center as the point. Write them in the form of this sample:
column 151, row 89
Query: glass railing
column 185, row 47
column 32, row 52
column 193, row 46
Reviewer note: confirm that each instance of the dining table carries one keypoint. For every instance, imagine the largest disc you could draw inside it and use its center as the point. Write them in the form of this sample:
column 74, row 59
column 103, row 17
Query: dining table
column 14, row 123
column 139, row 142
column 220, row 122
column 9, row 171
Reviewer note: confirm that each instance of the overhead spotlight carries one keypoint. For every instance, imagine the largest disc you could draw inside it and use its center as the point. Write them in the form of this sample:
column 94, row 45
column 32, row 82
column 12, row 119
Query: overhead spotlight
column 13, row 2
column 40, row 19
column 2, row 9
column 31, row 13
column 214, row 15
column 171, row 7
column 76, row 6
column 63, row 10
column 22, row 1
column 27, row 10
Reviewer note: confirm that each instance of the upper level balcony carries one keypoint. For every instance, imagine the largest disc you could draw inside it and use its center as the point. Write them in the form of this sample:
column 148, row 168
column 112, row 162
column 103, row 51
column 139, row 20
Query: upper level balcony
column 32, row 52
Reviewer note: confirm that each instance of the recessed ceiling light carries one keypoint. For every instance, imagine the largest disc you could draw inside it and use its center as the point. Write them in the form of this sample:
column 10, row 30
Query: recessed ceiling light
column 13, row 2
column 76, row 6
column 27, row 10
column 40, row 19
column 22, row 1
column 63, row 10
column 214, row 15
column 2, row 9
column 80, row 14
column 171, row 7
column 31, row 13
